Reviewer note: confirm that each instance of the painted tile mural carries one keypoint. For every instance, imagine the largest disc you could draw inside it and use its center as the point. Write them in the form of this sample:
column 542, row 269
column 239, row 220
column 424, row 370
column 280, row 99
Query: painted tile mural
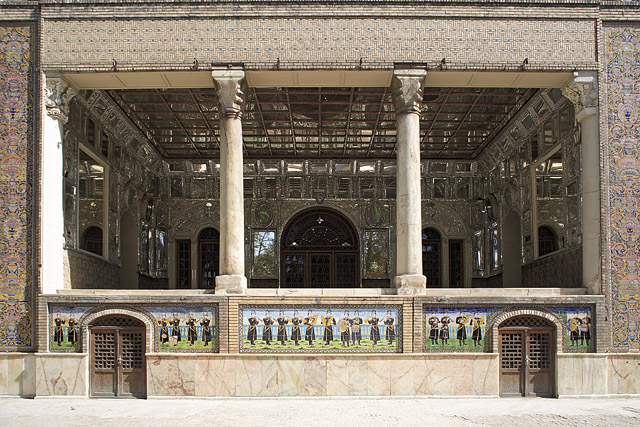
column 578, row 328
column 622, row 74
column 16, row 100
column 456, row 328
column 65, row 331
column 320, row 328
column 186, row 328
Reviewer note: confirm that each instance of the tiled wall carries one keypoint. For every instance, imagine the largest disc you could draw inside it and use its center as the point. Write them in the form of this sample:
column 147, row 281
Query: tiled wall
column 622, row 173
column 16, row 186
column 309, row 42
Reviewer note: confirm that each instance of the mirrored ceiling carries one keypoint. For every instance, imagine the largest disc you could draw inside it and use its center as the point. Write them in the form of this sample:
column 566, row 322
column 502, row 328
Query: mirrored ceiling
column 304, row 123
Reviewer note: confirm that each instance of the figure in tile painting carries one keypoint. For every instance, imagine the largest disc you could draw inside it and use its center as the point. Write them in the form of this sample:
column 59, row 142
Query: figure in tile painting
column 58, row 334
column 282, row 331
column 72, row 334
column 252, row 334
column 476, row 331
column 345, row 334
column 296, row 320
column 356, row 334
column 444, row 328
column 375, row 330
column 461, row 334
column 192, row 334
column 434, row 323
column 267, row 335
column 585, row 330
column 176, row 336
column 310, row 320
column 206, row 329
column 164, row 329
column 391, row 333
column 328, row 323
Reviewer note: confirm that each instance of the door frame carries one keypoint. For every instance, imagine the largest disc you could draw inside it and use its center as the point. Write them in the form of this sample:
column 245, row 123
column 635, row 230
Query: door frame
column 524, row 370
column 118, row 370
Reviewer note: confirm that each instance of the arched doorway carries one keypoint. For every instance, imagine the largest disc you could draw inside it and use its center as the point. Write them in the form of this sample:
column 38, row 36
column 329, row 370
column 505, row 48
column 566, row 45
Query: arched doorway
column 320, row 250
column 92, row 240
column 527, row 356
column 209, row 258
column 117, row 365
column 547, row 241
column 431, row 247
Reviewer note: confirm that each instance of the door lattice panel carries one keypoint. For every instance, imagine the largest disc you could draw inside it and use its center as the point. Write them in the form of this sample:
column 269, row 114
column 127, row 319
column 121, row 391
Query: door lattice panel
column 539, row 350
column 511, row 350
column 526, row 322
column 104, row 353
column 132, row 350
column 320, row 271
column 119, row 322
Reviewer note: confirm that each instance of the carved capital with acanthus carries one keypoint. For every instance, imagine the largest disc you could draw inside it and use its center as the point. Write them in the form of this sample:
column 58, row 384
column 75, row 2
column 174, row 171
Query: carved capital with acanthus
column 57, row 94
column 583, row 91
column 231, row 88
column 407, row 87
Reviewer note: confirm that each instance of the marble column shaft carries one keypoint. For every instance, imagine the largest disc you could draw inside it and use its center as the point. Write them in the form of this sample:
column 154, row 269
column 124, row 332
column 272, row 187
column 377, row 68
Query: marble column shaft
column 57, row 94
column 583, row 92
column 407, row 88
column 231, row 91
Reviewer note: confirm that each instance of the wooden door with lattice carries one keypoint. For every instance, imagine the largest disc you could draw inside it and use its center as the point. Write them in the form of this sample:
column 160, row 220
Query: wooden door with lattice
column 117, row 362
column 526, row 358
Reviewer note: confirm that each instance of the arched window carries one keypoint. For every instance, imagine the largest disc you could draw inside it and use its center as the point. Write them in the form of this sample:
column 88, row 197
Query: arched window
column 547, row 241
column 320, row 250
column 209, row 255
column 431, row 243
column 92, row 240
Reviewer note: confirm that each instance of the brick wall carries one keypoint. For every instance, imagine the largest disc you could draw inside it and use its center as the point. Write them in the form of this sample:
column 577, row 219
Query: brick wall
column 91, row 272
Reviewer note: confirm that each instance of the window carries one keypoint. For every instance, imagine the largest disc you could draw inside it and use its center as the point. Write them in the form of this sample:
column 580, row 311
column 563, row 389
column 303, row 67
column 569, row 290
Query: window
column 92, row 240
column 431, row 257
column 209, row 247
column 184, row 264
column 547, row 241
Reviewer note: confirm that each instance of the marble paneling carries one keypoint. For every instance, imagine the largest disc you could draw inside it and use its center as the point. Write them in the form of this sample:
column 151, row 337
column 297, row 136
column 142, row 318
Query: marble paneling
column 17, row 375
column 402, row 377
column 248, row 376
column 224, row 375
column 206, row 377
column 315, row 376
column 358, row 382
column 61, row 375
column 378, row 377
column 581, row 375
column 337, row 376
column 269, row 373
column 623, row 372
column 290, row 377
column 485, row 375
column 174, row 376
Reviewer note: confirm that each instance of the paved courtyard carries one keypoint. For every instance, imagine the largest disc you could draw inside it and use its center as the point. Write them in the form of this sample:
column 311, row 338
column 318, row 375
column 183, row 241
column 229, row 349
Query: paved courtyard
column 308, row 412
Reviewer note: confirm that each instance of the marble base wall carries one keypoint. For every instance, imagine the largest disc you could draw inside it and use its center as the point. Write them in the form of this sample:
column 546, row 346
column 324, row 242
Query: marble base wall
column 598, row 374
column 267, row 376
column 63, row 374
column 17, row 375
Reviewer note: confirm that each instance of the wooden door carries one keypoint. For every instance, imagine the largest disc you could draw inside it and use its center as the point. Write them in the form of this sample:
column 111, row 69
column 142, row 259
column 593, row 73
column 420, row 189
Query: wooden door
column 117, row 362
column 526, row 362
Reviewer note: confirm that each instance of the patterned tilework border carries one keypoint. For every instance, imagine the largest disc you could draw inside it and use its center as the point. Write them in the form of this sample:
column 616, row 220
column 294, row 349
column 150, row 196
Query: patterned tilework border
column 622, row 74
column 16, row 180
column 95, row 43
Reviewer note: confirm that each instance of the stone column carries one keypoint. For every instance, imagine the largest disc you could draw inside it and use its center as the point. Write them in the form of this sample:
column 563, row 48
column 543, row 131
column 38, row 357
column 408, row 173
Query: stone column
column 407, row 88
column 583, row 92
column 55, row 114
column 231, row 90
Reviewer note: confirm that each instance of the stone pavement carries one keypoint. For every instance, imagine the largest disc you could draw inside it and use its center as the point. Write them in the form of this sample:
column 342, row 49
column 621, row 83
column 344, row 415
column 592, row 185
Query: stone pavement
column 310, row 412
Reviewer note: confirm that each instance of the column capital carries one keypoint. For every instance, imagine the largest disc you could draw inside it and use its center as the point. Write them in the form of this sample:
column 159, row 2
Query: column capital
column 231, row 87
column 583, row 93
column 407, row 87
column 57, row 94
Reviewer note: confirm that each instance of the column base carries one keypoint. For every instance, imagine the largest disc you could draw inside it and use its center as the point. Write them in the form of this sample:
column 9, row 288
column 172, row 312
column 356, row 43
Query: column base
column 231, row 284
column 411, row 284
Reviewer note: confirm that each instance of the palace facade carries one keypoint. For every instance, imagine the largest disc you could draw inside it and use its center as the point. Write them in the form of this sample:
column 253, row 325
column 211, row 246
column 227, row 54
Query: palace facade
column 275, row 198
